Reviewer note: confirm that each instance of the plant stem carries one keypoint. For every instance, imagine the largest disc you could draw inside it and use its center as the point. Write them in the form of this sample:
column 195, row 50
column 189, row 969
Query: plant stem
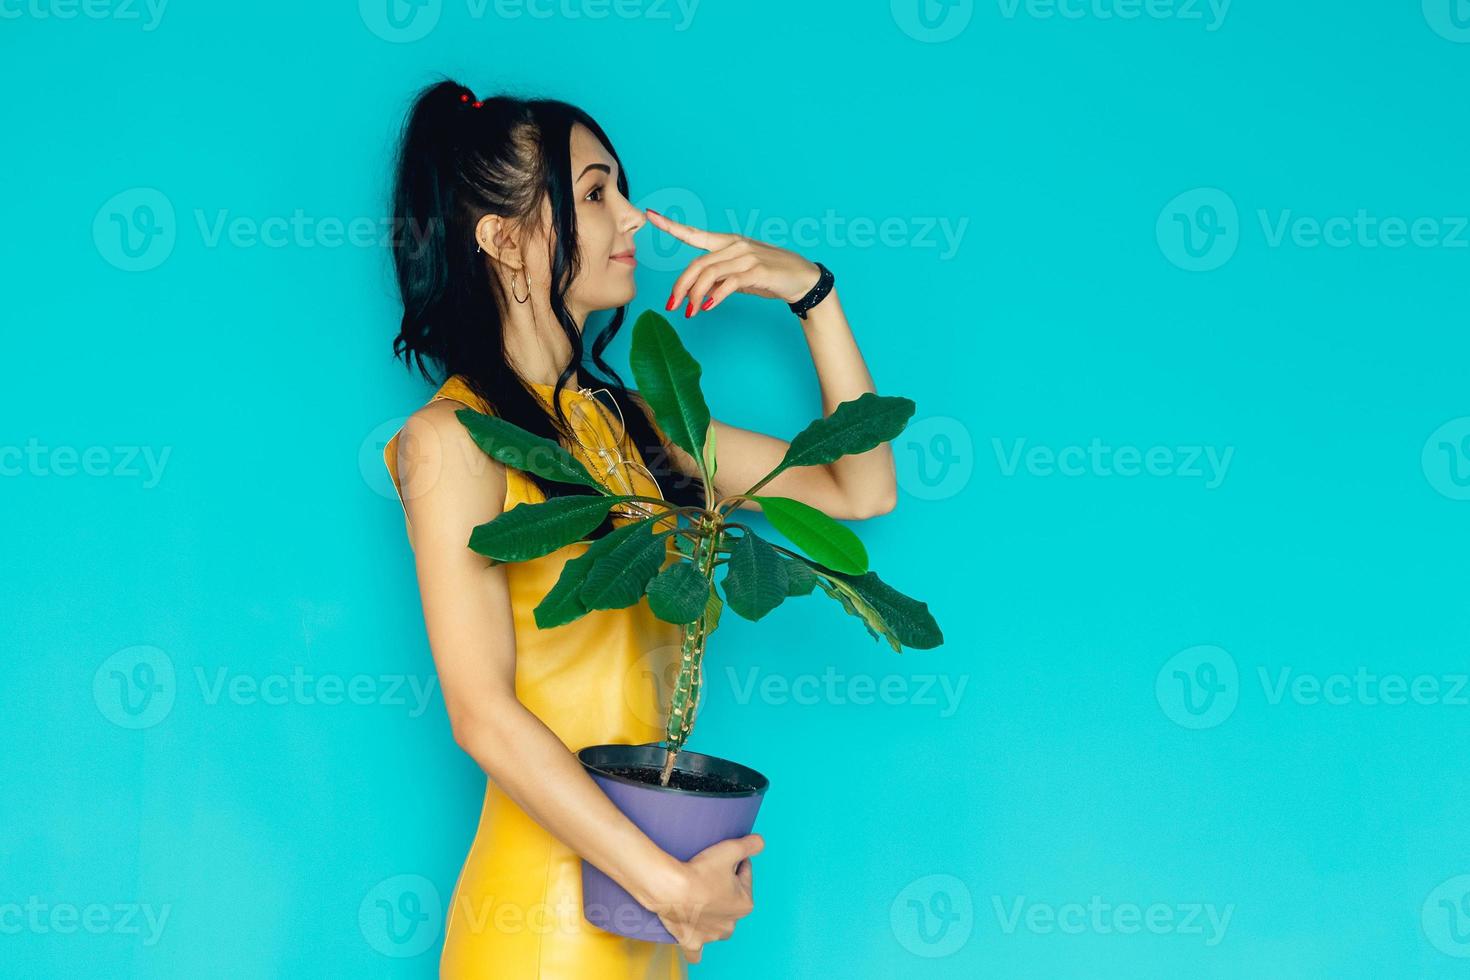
column 685, row 697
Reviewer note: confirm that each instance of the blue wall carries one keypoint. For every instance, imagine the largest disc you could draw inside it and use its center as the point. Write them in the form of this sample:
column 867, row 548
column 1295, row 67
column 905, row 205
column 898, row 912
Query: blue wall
column 1180, row 296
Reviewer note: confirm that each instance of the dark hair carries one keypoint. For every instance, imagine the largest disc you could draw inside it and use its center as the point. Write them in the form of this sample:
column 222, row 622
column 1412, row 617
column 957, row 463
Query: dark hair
column 457, row 162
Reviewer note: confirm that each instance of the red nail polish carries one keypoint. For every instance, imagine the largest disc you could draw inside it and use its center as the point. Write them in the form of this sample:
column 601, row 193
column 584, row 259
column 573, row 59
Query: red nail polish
column 707, row 303
column 652, row 211
column 670, row 304
column 689, row 310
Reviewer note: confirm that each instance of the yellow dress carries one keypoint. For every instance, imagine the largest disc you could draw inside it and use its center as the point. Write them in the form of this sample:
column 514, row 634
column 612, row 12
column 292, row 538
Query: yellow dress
column 516, row 909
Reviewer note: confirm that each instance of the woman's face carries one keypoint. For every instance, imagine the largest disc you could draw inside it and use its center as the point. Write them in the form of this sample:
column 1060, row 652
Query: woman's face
column 606, row 221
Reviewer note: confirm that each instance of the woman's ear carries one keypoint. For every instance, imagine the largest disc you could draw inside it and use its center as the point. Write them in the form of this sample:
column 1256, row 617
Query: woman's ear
column 493, row 235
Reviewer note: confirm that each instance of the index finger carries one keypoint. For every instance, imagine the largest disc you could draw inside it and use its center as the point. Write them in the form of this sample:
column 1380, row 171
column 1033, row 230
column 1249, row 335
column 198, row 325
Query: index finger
column 698, row 237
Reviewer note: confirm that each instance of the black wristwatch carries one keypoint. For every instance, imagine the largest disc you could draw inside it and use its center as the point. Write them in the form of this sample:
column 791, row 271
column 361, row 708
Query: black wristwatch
column 816, row 294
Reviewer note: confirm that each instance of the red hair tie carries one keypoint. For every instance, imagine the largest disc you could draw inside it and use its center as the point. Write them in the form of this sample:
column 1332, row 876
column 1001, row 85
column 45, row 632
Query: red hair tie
column 465, row 98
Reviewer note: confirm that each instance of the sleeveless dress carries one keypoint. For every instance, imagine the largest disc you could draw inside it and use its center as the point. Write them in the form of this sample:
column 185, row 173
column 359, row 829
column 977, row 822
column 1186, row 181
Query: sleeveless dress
column 516, row 910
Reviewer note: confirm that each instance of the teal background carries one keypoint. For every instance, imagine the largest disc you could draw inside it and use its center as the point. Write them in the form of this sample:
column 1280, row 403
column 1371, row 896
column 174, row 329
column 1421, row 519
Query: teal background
column 1093, row 750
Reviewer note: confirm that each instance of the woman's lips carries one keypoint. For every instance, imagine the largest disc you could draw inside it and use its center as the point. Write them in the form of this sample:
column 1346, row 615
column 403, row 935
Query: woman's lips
column 628, row 258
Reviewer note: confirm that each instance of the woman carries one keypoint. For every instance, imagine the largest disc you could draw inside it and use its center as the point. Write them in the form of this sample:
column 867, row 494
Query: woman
column 514, row 224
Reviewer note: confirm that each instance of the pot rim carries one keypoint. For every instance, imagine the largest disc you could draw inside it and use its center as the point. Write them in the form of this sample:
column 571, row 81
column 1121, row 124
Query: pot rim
column 703, row 764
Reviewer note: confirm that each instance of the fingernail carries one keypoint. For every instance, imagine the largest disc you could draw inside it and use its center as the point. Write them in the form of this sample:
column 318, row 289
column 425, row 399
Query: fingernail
column 707, row 303
column 689, row 310
column 670, row 304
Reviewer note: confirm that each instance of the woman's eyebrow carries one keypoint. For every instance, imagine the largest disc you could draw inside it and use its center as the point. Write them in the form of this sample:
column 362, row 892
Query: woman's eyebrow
column 595, row 166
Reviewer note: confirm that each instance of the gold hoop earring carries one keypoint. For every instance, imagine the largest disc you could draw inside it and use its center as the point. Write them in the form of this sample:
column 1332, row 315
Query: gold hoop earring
column 513, row 287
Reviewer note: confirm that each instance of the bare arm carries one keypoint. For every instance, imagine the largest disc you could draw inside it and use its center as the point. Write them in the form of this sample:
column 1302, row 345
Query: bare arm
column 450, row 486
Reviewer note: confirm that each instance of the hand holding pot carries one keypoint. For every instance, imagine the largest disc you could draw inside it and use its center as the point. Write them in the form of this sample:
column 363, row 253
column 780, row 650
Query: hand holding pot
column 715, row 892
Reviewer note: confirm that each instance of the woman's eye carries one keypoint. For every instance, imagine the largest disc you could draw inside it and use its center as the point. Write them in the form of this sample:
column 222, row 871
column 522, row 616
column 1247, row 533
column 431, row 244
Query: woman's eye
column 596, row 190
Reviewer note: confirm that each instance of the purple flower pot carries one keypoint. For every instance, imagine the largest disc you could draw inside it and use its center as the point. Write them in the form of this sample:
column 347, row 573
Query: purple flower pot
column 683, row 822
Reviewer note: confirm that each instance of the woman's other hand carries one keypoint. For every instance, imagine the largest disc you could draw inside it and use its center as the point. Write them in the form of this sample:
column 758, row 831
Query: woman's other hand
column 714, row 891
column 735, row 264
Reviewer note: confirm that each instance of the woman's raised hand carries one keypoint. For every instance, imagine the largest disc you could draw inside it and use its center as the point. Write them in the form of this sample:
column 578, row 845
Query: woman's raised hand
column 734, row 264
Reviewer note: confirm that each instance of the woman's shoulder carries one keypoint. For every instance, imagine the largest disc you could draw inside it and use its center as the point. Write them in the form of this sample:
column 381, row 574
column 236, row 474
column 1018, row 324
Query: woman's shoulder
column 433, row 438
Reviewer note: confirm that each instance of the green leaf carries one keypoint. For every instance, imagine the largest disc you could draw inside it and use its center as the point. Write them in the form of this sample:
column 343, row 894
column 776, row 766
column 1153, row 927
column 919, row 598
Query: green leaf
column 622, row 563
column 800, row 579
column 902, row 620
column 515, row 447
column 678, row 594
column 530, row 530
column 563, row 603
column 710, row 463
column 668, row 380
column 712, row 611
column 854, row 427
column 755, row 578
column 822, row 538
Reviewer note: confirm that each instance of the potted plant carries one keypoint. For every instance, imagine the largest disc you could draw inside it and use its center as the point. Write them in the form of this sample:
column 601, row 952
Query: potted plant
column 686, row 801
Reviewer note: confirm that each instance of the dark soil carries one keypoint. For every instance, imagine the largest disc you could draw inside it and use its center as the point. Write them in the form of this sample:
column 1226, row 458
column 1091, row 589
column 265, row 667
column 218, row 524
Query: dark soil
column 680, row 779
